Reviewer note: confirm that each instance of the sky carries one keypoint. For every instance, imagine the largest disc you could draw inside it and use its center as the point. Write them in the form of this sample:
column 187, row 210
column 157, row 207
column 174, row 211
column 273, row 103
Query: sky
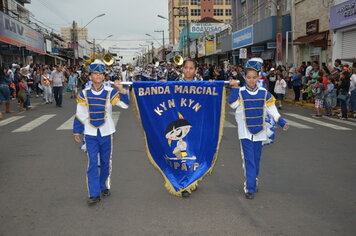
column 126, row 20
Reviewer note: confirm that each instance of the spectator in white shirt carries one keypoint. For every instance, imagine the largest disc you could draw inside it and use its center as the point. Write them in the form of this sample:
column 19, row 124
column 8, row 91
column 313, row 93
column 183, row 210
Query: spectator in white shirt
column 280, row 89
column 57, row 77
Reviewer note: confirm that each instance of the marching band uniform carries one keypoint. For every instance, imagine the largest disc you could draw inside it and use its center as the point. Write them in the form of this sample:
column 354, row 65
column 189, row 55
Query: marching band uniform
column 94, row 119
column 252, row 106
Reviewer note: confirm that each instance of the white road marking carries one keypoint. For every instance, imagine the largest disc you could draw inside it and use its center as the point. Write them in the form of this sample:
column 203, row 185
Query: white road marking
column 10, row 120
column 33, row 124
column 68, row 125
column 228, row 124
column 116, row 117
column 316, row 121
column 340, row 121
column 298, row 125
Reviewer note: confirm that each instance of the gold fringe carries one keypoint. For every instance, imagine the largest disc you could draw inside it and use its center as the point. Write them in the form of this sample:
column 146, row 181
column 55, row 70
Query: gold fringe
column 167, row 183
column 271, row 101
column 81, row 101
column 115, row 100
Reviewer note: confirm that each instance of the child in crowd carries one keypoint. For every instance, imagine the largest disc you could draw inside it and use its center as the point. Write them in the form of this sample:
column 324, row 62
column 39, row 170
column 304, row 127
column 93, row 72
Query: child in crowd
column 72, row 84
column 46, row 84
column 318, row 92
column 21, row 95
column 307, row 92
column 330, row 97
column 280, row 89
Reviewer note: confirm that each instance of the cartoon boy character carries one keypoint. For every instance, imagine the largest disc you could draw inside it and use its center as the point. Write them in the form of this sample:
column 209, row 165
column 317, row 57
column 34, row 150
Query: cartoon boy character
column 177, row 130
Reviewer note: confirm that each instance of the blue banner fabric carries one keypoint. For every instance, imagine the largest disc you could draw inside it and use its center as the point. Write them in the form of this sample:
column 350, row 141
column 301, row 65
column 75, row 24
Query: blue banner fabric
column 183, row 125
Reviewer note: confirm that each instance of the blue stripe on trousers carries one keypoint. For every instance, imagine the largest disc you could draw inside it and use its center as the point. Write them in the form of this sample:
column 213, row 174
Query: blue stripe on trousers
column 102, row 146
column 252, row 151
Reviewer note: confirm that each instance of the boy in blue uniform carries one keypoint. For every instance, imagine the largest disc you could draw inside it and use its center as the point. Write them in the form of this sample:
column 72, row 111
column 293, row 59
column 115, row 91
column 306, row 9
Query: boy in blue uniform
column 94, row 119
column 252, row 104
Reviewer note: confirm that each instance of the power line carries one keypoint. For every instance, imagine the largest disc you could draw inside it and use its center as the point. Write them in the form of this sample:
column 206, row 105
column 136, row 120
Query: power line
column 56, row 12
column 44, row 24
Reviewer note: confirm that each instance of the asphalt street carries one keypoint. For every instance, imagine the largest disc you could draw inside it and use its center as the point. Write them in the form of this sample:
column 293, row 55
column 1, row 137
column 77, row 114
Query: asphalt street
column 307, row 181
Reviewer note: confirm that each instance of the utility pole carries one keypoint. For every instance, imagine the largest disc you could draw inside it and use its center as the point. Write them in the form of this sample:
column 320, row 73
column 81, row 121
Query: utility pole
column 163, row 47
column 152, row 52
column 94, row 49
column 184, row 11
column 73, row 41
column 279, row 36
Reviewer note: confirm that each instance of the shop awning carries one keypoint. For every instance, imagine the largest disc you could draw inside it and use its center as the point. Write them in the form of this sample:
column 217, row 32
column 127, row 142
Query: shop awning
column 322, row 36
column 54, row 56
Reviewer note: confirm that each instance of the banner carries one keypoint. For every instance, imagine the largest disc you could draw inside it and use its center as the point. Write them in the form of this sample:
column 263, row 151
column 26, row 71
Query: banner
column 18, row 34
column 201, row 47
column 183, row 125
column 207, row 27
column 209, row 47
column 242, row 38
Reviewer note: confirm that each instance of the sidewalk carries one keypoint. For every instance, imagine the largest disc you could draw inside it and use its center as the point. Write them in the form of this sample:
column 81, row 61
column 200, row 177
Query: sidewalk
column 289, row 98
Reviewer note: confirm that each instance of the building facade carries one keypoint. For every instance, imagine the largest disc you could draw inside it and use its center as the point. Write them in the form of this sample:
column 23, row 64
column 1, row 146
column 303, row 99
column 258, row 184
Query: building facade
column 16, row 9
column 312, row 38
column 197, row 10
column 255, row 24
column 343, row 25
column 67, row 33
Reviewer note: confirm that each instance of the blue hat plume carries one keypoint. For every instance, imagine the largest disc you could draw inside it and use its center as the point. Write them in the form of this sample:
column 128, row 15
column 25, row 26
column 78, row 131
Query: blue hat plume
column 254, row 64
column 97, row 66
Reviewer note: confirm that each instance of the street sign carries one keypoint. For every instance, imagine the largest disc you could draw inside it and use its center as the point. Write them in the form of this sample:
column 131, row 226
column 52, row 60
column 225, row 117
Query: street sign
column 243, row 53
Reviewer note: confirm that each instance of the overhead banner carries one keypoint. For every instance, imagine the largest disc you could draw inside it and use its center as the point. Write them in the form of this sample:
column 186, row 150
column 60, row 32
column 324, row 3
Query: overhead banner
column 18, row 34
column 183, row 125
column 207, row 27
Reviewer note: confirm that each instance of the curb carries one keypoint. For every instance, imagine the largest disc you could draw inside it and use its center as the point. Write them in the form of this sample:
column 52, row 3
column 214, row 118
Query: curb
column 311, row 105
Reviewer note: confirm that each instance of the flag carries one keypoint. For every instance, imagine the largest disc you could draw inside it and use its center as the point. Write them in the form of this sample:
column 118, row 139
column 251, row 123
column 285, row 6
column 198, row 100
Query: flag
column 183, row 125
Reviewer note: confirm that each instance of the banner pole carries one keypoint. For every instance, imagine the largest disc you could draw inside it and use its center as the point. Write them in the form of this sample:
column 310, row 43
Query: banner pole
column 130, row 83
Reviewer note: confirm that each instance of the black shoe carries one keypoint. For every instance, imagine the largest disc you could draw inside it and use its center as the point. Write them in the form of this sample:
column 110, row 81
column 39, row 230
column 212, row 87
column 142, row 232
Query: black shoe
column 105, row 193
column 185, row 194
column 93, row 200
column 249, row 195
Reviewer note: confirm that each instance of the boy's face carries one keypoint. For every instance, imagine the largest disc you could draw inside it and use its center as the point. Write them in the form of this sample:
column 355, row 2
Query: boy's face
column 251, row 78
column 96, row 77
